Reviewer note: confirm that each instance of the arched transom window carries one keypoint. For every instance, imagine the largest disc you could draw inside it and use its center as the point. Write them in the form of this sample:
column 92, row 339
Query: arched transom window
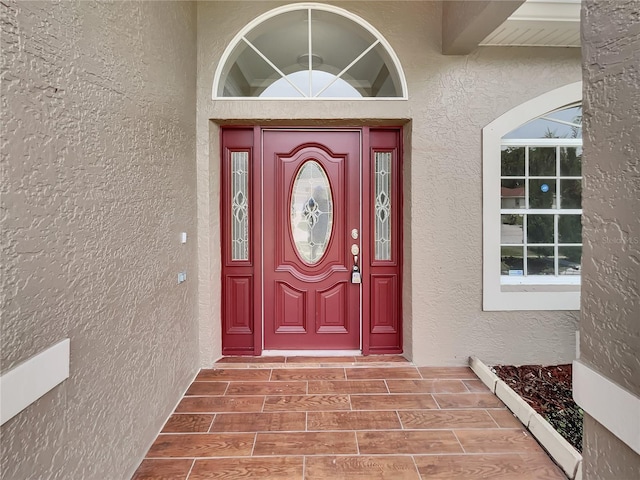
column 309, row 51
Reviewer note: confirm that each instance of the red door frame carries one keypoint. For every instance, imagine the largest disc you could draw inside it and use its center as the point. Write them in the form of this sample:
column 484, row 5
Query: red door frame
column 242, row 303
column 310, row 306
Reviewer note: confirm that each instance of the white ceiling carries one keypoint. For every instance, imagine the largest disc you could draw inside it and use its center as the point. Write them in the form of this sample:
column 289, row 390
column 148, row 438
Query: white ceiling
column 540, row 23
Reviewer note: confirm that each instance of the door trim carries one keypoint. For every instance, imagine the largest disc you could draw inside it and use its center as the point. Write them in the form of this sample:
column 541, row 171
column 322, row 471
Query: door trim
column 242, row 302
column 358, row 131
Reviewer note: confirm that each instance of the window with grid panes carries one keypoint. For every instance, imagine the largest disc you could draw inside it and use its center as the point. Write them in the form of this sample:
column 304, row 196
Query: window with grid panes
column 541, row 198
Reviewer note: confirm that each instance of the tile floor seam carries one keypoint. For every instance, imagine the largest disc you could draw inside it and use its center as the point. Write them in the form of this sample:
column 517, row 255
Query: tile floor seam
column 253, row 447
column 494, row 420
column 415, row 464
column 190, row 469
column 459, row 442
column 518, row 449
column 355, row 434
column 211, row 424
column 402, row 427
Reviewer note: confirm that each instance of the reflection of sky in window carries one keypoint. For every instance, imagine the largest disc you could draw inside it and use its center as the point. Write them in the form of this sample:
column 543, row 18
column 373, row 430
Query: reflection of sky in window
column 281, row 88
column 540, row 127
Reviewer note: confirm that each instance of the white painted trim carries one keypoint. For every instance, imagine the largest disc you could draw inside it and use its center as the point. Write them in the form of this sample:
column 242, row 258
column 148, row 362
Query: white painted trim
column 548, row 11
column 26, row 383
column 541, row 280
column 614, row 407
column 493, row 298
column 302, row 6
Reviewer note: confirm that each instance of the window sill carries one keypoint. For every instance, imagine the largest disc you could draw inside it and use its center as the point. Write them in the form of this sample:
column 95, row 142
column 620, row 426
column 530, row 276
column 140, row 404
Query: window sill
column 541, row 280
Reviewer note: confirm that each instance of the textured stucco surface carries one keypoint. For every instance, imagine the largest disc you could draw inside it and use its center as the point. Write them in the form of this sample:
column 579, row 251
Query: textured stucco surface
column 604, row 456
column 610, row 329
column 451, row 98
column 98, row 181
column 610, row 324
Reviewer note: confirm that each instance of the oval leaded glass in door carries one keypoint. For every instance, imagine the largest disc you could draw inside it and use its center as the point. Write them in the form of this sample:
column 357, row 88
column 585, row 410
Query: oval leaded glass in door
column 311, row 212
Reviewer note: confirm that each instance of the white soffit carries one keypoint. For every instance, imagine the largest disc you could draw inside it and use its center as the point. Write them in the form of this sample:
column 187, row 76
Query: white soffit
column 539, row 23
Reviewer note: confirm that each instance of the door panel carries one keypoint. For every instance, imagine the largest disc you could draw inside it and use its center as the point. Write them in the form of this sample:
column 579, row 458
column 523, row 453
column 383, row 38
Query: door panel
column 309, row 302
column 382, row 309
column 290, row 288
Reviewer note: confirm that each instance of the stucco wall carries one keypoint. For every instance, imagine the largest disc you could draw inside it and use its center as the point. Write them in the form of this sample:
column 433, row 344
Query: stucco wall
column 450, row 99
column 610, row 325
column 98, row 181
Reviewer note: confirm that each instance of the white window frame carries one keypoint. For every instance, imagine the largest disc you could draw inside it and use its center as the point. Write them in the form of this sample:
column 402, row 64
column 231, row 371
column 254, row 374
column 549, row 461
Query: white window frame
column 537, row 293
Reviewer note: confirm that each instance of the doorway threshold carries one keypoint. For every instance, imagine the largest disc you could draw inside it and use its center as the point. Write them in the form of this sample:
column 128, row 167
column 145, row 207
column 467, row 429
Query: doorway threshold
column 311, row 353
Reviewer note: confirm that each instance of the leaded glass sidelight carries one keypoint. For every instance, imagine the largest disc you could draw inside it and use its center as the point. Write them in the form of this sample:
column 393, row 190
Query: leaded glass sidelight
column 311, row 212
column 382, row 227
column 239, row 206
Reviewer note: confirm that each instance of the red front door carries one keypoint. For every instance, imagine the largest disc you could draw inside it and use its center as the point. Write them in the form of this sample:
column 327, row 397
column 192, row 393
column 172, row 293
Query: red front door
column 311, row 226
column 294, row 203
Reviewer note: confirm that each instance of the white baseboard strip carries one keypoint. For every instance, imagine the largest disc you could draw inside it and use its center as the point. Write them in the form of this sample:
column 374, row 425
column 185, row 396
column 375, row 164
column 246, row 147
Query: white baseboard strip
column 26, row 383
column 611, row 405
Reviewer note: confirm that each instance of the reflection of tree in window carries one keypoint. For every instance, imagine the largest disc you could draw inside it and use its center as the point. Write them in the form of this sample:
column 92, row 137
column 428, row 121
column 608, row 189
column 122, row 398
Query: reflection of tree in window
column 541, row 162
column 540, row 229
column 570, row 229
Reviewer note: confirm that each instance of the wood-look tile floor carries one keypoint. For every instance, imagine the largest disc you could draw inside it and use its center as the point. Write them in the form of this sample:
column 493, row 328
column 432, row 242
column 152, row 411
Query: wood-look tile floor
column 369, row 418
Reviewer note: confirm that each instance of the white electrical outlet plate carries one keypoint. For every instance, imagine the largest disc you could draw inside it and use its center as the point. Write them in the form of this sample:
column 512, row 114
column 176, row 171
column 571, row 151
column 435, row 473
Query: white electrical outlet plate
column 183, row 237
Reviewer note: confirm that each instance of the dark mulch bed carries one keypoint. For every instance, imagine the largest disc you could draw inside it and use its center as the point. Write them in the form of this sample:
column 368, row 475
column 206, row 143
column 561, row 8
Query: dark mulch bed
column 548, row 391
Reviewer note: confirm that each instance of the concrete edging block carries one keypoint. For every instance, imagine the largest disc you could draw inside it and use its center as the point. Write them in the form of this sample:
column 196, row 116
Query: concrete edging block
column 578, row 471
column 516, row 404
column 484, row 373
column 563, row 453
column 561, row 450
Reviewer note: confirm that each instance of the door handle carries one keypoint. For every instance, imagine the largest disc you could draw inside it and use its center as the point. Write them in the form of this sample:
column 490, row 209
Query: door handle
column 356, row 276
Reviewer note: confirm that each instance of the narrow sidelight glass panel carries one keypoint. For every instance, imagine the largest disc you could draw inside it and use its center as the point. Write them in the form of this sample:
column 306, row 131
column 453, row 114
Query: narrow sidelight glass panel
column 382, row 228
column 239, row 206
column 311, row 212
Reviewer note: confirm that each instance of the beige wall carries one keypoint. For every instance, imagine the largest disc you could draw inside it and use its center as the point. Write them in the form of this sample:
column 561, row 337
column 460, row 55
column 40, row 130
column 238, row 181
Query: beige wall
column 98, row 180
column 610, row 325
column 450, row 99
